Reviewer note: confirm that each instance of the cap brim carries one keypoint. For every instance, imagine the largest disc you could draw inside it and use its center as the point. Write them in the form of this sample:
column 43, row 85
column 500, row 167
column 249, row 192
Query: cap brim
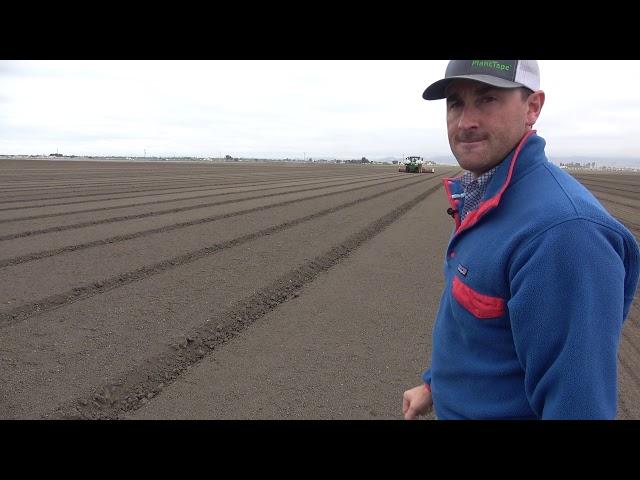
column 436, row 90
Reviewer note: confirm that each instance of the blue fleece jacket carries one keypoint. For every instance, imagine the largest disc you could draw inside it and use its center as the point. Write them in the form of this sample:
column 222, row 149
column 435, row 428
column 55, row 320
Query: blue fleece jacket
column 538, row 281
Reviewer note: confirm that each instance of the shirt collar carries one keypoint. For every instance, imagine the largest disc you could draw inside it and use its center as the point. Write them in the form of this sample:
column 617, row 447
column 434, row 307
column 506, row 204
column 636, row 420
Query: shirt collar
column 467, row 180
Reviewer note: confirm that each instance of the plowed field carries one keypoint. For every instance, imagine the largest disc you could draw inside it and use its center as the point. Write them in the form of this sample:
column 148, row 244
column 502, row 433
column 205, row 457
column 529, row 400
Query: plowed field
column 230, row 291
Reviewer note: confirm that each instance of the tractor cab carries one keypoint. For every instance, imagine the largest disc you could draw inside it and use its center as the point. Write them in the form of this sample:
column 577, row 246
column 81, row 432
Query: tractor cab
column 413, row 164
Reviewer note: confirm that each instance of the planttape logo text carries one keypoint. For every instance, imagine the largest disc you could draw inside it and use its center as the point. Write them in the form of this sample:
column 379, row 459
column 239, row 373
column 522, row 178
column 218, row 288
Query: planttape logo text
column 490, row 64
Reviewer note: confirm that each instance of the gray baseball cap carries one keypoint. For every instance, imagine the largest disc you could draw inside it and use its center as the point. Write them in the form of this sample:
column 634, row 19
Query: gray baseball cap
column 499, row 73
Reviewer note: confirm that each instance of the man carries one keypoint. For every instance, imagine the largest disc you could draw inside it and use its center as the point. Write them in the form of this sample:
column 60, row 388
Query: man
column 539, row 277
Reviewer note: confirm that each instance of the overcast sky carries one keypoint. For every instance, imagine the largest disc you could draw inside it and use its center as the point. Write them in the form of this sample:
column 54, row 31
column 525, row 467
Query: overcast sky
column 289, row 109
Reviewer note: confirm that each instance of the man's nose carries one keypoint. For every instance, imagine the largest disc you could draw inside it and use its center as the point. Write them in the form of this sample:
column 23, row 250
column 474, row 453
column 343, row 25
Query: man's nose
column 468, row 118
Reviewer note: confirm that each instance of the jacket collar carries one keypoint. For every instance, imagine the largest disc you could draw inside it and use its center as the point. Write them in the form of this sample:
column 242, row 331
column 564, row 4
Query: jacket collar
column 528, row 153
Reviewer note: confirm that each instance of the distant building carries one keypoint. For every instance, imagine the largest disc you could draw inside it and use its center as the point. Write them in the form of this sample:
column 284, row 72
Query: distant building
column 577, row 165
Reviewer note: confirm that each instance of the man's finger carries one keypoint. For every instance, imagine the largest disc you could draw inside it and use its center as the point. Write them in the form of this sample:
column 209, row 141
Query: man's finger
column 410, row 415
column 405, row 405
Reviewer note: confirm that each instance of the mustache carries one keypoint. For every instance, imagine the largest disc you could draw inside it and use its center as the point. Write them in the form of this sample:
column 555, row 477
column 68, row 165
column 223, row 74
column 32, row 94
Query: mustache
column 470, row 137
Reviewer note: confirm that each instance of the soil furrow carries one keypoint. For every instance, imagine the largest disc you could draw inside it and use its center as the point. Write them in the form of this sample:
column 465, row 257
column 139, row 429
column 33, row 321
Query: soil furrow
column 609, row 200
column 197, row 197
column 607, row 189
column 131, row 391
column 97, row 185
column 600, row 180
column 179, row 192
column 81, row 292
column 152, row 214
column 157, row 187
column 52, row 252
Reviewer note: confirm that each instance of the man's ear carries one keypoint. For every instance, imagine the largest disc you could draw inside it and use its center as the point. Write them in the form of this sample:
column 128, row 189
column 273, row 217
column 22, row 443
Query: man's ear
column 534, row 106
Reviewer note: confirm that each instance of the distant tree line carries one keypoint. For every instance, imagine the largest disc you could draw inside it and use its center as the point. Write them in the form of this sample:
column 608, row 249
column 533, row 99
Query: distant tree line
column 363, row 160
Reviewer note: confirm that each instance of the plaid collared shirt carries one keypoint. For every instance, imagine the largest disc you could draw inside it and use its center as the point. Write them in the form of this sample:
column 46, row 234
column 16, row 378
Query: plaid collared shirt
column 474, row 189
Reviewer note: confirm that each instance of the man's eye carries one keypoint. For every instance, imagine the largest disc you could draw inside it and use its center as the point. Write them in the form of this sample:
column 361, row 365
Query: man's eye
column 487, row 99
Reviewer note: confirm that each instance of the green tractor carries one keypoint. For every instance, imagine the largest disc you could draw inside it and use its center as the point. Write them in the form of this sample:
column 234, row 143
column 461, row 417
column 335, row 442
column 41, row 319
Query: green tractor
column 414, row 165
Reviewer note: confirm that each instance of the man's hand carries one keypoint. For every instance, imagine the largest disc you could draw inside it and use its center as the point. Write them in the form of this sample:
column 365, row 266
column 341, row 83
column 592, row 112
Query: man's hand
column 416, row 401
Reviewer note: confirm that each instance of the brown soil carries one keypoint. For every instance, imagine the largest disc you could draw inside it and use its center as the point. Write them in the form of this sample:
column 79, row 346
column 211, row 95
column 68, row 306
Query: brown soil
column 191, row 290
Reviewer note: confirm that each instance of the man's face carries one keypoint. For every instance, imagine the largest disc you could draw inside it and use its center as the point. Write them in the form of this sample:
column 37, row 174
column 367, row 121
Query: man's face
column 484, row 123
